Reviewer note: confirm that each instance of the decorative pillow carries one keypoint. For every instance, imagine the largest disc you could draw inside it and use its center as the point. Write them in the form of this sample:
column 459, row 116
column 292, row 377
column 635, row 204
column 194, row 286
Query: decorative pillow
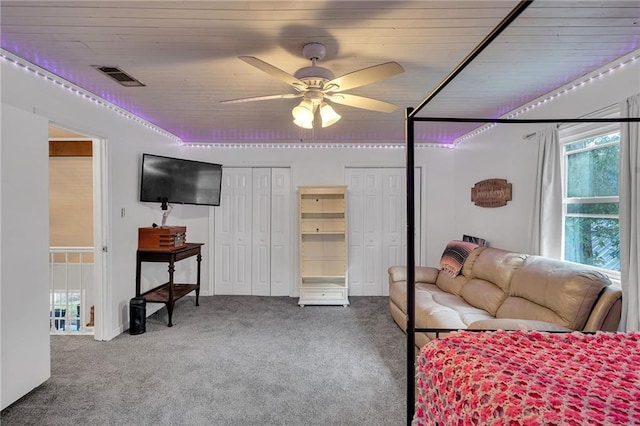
column 454, row 256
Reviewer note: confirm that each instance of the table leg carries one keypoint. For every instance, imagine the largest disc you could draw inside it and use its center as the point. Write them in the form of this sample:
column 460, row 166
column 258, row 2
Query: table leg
column 138, row 272
column 199, row 260
column 170, row 302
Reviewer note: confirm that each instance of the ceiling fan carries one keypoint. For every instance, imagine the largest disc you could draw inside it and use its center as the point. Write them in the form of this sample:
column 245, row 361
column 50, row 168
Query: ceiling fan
column 316, row 85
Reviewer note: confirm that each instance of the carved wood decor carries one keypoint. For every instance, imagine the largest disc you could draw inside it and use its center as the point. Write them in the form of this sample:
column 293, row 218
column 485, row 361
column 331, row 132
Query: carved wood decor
column 491, row 193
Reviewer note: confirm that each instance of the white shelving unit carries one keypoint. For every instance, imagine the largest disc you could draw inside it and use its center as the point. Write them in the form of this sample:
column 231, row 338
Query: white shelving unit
column 323, row 245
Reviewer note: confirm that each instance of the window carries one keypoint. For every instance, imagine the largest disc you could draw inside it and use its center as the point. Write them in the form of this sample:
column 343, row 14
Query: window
column 590, row 195
column 71, row 281
column 65, row 312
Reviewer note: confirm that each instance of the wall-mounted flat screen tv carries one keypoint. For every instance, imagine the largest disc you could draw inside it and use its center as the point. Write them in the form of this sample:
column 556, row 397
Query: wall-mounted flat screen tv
column 174, row 180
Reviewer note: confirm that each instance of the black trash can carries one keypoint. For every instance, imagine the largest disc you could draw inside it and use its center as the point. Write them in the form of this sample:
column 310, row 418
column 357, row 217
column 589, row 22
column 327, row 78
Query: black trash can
column 137, row 315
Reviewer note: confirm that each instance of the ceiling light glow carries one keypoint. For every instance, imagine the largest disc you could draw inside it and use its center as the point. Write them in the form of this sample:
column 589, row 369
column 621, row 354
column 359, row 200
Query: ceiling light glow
column 535, row 104
column 45, row 75
column 303, row 114
column 328, row 115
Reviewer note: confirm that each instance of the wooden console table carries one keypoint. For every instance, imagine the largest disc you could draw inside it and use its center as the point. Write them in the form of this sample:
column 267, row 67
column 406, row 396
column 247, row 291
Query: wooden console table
column 169, row 292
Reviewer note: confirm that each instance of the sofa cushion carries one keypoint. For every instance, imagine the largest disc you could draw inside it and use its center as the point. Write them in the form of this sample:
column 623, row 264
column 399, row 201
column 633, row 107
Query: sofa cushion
column 398, row 293
column 490, row 278
column 426, row 274
column 439, row 309
column 553, row 291
column 436, row 308
column 497, row 266
column 453, row 285
column 483, row 294
column 471, row 260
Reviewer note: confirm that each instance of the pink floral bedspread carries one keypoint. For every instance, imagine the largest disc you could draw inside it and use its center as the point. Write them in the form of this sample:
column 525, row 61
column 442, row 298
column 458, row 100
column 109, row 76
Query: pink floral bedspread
column 529, row 378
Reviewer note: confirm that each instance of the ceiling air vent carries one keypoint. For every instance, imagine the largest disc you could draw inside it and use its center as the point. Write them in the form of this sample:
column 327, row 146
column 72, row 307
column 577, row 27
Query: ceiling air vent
column 118, row 75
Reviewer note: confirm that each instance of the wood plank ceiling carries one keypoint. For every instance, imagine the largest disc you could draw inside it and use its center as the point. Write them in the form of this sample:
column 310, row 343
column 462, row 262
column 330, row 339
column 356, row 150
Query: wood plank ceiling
column 186, row 55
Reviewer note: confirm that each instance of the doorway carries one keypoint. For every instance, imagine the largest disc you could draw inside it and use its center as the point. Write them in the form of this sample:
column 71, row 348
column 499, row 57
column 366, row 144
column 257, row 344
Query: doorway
column 75, row 254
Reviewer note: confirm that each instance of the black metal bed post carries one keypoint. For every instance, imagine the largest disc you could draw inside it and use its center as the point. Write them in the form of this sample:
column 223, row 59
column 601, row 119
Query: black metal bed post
column 411, row 270
column 520, row 7
column 410, row 124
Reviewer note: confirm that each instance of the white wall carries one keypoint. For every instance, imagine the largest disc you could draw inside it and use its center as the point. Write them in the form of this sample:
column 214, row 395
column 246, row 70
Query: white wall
column 502, row 152
column 126, row 140
column 447, row 211
column 24, row 242
column 325, row 166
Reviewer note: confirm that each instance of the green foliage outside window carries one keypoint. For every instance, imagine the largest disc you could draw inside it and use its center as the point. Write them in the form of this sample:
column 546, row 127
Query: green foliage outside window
column 592, row 233
column 593, row 173
column 593, row 242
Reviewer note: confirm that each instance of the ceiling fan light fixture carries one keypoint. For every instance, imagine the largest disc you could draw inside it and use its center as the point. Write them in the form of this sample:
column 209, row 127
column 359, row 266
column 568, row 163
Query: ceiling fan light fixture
column 315, row 84
column 303, row 124
column 303, row 114
column 328, row 114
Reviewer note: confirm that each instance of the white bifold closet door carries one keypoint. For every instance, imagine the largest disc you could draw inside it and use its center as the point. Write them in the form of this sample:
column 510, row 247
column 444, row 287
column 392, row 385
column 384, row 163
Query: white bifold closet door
column 252, row 252
column 282, row 230
column 377, row 226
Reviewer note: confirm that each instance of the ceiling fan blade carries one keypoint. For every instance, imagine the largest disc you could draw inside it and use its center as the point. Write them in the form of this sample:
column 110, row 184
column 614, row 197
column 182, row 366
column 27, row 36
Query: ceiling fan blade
column 262, row 98
column 274, row 72
column 363, row 77
column 361, row 102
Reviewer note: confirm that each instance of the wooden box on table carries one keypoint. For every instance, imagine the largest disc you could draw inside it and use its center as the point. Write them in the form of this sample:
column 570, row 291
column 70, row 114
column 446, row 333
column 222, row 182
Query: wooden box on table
column 162, row 238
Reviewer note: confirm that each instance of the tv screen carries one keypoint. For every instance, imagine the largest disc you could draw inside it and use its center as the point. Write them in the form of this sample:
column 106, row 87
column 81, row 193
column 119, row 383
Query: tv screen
column 178, row 181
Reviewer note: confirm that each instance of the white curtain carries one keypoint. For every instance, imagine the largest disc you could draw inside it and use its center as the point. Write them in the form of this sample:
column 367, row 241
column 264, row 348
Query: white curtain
column 546, row 220
column 629, row 213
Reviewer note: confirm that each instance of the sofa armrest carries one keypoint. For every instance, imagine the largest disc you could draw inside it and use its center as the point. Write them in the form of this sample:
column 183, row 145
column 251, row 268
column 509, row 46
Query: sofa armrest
column 424, row 274
column 397, row 273
column 606, row 312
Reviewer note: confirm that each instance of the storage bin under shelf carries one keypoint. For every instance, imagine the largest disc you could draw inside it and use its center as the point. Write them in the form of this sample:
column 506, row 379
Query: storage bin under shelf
column 323, row 296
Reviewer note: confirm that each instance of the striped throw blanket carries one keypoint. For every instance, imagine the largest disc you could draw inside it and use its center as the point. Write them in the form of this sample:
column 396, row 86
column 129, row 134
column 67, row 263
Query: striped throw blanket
column 454, row 256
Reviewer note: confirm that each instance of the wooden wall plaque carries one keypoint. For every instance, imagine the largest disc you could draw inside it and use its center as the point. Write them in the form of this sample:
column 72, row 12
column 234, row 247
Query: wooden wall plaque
column 491, row 193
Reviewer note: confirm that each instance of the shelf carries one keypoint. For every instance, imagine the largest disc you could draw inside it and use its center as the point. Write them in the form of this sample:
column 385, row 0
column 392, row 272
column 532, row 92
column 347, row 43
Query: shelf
column 311, row 191
column 322, row 232
column 326, row 268
column 322, row 212
column 323, row 245
column 323, row 285
column 169, row 292
column 324, row 277
column 161, row 294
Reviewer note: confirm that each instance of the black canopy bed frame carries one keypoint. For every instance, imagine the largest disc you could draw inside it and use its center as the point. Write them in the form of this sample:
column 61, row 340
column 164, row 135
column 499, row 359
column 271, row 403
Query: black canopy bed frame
column 411, row 118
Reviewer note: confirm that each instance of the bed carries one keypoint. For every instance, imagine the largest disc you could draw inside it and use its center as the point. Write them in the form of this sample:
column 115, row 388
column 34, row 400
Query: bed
column 529, row 378
column 609, row 351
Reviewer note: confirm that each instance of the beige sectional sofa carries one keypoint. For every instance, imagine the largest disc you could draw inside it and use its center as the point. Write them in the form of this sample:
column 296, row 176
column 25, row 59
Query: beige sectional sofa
column 499, row 289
